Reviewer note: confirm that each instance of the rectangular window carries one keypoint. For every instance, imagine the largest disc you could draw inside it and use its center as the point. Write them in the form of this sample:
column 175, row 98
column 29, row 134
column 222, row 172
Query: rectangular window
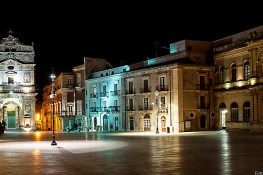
column 146, row 105
column 79, row 80
column 103, row 94
column 234, row 114
column 162, row 102
column 130, row 87
column 115, row 92
column 162, row 83
column 145, row 85
column 70, row 108
column 131, row 104
column 104, row 89
column 79, row 107
column 115, row 102
column 202, row 82
column 93, row 108
column 202, row 102
column 70, row 81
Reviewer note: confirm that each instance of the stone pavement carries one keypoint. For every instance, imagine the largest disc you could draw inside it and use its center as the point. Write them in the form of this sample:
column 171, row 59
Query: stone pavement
column 131, row 153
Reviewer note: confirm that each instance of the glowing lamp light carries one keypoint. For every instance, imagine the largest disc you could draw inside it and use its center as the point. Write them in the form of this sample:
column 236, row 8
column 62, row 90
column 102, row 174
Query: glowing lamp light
column 37, row 117
column 227, row 85
column 252, row 81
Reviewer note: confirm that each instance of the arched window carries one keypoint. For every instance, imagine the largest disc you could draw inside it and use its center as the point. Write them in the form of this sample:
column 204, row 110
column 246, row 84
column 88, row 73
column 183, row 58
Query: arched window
column 221, row 74
column 234, row 112
column 147, row 123
column 222, row 106
column 246, row 70
column 233, row 72
column 246, row 112
column 131, row 123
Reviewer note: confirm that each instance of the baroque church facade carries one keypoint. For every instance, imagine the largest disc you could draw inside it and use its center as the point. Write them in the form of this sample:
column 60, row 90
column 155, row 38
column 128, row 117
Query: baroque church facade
column 17, row 84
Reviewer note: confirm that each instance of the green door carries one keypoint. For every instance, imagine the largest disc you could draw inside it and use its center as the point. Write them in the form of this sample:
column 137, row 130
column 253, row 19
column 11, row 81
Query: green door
column 11, row 119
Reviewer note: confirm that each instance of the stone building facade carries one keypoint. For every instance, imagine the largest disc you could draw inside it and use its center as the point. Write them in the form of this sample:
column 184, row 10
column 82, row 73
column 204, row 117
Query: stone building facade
column 239, row 76
column 200, row 85
column 69, row 100
column 17, row 84
column 164, row 94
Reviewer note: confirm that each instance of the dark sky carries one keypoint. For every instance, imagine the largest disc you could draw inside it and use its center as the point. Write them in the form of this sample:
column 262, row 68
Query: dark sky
column 65, row 33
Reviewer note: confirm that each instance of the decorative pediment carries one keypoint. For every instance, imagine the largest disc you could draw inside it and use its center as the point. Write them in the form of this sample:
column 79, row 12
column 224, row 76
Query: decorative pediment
column 10, row 63
column 10, row 41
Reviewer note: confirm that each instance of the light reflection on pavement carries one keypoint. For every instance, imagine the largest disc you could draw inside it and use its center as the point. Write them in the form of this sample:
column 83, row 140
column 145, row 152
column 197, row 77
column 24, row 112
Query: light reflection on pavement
column 75, row 146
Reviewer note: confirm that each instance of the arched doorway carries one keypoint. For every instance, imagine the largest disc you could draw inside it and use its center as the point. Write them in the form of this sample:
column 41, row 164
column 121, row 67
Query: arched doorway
column 222, row 108
column 202, row 121
column 105, row 122
column 131, row 123
column 163, row 120
column 11, row 116
column 147, row 123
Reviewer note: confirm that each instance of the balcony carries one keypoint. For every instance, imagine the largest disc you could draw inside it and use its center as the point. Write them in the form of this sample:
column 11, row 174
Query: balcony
column 94, row 95
column 145, row 90
column 115, row 108
column 130, row 108
column 104, row 94
column 115, row 93
column 104, row 109
column 145, row 108
column 94, row 109
column 130, row 91
column 162, row 88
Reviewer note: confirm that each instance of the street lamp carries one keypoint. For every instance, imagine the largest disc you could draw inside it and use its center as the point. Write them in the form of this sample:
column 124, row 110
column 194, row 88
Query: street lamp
column 157, row 107
column 52, row 95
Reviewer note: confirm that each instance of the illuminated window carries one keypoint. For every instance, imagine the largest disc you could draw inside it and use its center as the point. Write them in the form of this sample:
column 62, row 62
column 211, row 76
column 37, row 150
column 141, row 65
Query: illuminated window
column 70, row 81
column 116, row 123
column 163, row 102
column 234, row 112
column 147, row 123
column 246, row 112
column 234, row 72
column 130, row 87
column 162, row 83
column 246, row 70
column 221, row 74
column 79, row 80
column 146, row 105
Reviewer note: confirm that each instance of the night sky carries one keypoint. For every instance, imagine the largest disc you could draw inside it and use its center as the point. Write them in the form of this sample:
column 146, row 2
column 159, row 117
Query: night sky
column 63, row 34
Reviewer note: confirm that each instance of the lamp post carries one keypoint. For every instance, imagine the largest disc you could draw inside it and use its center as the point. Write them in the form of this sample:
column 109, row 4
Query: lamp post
column 52, row 95
column 157, row 107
